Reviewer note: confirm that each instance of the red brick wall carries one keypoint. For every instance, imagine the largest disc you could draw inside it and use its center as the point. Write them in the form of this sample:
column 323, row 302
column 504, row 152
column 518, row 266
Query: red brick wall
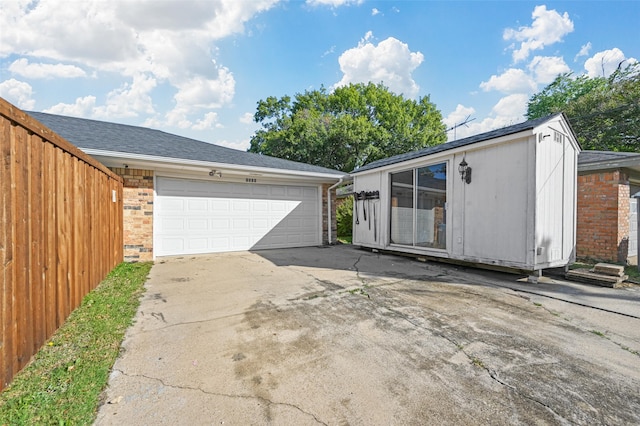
column 603, row 216
column 138, row 213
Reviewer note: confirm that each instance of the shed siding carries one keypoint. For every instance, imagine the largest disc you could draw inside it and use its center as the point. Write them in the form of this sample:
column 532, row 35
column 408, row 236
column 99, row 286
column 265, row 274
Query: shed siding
column 550, row 194
column 495, row 203
column 517, row 211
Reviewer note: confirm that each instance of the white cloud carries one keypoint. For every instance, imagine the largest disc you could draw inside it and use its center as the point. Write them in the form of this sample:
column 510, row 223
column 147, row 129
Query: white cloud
column 546, row 68
column 509, row 110
column 200, row 92
column 171, row 43
column 18, row 93
column 512, row 107
column 246, row 118
column 331, row 50
column 548, row 27
column 511, row 81
column 209, row 121
column 375, row 12
column 83, row 107
column 334, row 3
column 604, row 63
column 23, row 68
column 242, row 145
column 584, row 51
column 212, row 19
column 459, row 115
column 129, row 100
column 390, row 62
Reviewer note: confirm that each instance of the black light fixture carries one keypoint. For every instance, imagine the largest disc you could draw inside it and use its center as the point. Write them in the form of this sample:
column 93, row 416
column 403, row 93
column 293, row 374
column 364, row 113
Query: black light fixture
column 465, row 171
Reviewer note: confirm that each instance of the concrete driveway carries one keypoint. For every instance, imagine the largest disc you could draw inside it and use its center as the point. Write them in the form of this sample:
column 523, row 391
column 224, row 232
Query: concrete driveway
column 341, row 336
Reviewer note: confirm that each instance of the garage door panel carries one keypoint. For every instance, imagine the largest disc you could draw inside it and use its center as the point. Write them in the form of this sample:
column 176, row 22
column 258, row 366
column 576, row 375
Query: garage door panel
column 198, row 225
column 220, row 206
column 197, row 244
column 203, row 217
column 197, row 205
column 171, row 205
column 172, row 224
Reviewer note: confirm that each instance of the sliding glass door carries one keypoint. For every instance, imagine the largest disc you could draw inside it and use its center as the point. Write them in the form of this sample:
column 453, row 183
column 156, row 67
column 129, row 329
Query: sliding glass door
column 418, row 206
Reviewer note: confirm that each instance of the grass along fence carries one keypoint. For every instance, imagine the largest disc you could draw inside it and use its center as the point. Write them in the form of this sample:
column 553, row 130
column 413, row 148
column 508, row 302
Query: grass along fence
column 61, row 233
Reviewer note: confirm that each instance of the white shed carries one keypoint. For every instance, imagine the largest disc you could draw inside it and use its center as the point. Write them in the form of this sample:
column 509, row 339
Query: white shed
column 505, row 197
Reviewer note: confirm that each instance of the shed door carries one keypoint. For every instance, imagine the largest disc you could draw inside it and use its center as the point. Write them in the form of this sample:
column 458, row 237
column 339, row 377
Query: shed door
column 195, row 216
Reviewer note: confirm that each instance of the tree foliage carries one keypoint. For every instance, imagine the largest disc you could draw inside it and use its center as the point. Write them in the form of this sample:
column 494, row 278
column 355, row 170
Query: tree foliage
column 604, row 112
column 347, row 128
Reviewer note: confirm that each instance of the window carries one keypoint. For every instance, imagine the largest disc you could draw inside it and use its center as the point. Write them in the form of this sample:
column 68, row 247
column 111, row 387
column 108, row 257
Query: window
column 418, row 206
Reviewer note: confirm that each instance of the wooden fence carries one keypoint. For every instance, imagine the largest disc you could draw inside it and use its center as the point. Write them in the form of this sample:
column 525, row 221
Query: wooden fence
column 61, row 233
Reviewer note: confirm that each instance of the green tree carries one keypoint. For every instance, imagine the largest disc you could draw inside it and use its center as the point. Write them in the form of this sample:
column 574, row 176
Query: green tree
column 604, row 112
column 347, row 128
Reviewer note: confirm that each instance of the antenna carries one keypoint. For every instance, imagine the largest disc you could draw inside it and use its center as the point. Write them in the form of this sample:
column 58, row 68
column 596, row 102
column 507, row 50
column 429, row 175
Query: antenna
column 462, row 123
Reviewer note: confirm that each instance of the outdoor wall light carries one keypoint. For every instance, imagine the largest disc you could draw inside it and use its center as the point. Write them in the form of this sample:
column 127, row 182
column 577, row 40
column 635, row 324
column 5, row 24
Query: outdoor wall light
column 465, row 171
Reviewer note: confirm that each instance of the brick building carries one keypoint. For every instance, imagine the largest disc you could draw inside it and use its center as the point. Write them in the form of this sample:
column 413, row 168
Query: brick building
column 606, row 209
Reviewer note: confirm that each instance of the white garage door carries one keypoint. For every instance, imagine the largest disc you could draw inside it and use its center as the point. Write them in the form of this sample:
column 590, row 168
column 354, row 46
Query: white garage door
column 195, row 216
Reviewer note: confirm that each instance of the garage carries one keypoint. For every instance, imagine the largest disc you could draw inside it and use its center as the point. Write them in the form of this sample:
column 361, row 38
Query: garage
column 197, row 216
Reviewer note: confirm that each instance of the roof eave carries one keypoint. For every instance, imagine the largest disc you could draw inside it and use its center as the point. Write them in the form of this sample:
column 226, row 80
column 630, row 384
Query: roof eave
column 199, row 165
column 627, row 163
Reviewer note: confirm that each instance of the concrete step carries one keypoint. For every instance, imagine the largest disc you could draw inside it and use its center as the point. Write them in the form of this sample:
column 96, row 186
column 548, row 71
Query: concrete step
column 609, row 269
column 590, row 277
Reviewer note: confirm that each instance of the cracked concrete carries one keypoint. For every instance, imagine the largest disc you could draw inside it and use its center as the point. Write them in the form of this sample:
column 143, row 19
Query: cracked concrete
column 344, row 336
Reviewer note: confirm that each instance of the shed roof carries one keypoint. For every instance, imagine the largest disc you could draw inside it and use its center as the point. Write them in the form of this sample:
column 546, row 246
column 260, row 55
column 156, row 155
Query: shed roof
column 516, row 128
column 123, row 138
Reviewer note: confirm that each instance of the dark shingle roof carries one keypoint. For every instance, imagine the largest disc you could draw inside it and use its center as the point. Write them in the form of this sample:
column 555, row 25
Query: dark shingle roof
column 589, row 157
column 516, row 128
column 113, row 137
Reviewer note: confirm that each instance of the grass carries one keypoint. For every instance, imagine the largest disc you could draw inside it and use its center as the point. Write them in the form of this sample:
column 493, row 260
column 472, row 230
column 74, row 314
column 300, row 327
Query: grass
column 63, row 383
column 345, row 239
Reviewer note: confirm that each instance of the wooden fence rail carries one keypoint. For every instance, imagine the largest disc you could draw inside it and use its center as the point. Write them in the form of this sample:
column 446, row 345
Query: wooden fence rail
column 61, row 233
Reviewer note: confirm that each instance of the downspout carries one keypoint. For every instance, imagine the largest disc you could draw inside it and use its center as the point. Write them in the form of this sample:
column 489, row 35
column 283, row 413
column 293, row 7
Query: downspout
column 329, row 221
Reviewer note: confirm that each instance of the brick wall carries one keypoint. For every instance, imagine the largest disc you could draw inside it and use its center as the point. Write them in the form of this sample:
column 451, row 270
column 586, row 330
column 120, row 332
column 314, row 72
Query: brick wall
column 603, row 216
column 334, row 227
column 138, row 213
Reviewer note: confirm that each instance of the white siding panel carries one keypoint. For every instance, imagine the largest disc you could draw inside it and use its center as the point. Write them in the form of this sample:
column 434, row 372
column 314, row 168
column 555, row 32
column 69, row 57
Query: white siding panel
column 194, row 216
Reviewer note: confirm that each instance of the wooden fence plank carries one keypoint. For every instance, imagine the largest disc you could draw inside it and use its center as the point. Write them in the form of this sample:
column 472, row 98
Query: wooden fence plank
column 37, row 241
column 51, row 238
column 7, row 348
column 21, row 237
column 62, row 298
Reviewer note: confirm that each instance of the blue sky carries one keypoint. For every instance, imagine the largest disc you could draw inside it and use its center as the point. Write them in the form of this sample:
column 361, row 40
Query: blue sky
column 198, row 67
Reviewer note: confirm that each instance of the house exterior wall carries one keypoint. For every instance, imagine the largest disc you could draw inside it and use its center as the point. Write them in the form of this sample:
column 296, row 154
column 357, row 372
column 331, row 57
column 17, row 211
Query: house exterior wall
column 138, row 213
column 603, row 216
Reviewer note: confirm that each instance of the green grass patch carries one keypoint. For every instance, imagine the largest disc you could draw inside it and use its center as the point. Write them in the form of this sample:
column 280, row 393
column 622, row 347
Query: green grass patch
column 63, row 383
column 345, row 239
column 633, row 272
